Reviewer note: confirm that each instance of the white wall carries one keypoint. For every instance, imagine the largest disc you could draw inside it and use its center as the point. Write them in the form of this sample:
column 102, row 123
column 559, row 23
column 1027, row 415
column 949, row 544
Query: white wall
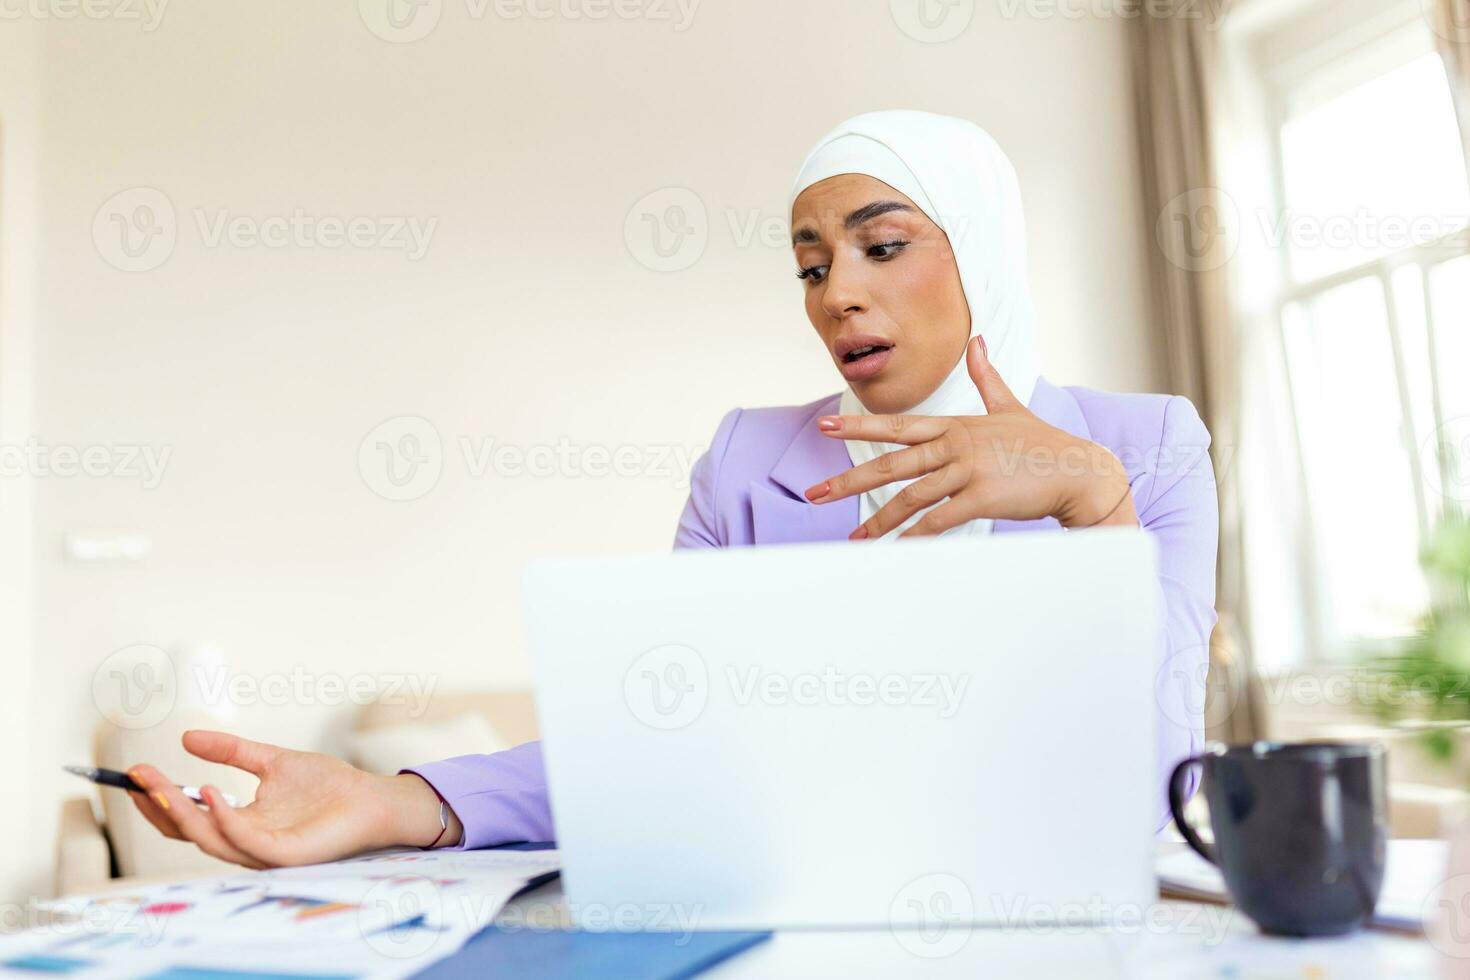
column 19, row 64
column 529, row 320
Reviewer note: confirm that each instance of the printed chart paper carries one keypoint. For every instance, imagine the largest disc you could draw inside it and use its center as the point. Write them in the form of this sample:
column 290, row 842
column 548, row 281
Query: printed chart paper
column 382, row 915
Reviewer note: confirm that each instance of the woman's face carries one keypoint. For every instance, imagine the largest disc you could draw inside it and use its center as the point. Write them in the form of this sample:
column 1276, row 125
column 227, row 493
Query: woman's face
column 882, row 289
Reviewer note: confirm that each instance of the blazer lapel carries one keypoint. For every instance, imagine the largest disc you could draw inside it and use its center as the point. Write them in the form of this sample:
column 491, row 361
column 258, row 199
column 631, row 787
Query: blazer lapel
column 779, row 511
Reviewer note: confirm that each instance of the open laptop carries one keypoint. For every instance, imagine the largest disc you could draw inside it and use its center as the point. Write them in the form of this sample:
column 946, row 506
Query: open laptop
column 923, row 733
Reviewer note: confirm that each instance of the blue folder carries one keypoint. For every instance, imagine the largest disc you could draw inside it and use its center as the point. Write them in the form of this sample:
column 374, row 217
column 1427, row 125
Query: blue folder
column 573, row 955
column 560, row 955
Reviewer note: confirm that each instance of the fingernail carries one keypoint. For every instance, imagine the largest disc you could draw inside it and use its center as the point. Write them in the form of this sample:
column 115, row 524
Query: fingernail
column 829, row 423
column 858, row 535
column 819, row 491
column 984, row 351
column 160, row 799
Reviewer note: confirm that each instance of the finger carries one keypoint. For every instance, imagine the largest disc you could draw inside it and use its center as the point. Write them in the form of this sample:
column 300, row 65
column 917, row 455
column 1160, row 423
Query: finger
column 197, row 825
column 231, row 750
column 909, row 501
column 161, row 797
column 903, row 429
column 239, row 832
column 994, row 392
column 904, row 464
column 151, row 781
column 947, row 515
column 154, row 815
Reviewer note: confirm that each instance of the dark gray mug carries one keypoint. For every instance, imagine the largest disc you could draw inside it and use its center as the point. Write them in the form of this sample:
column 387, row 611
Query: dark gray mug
column 1301, row 831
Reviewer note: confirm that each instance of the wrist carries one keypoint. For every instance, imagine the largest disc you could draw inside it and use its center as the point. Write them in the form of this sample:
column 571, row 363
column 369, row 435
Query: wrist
column 1122, row 513
column 414, row 813
column 1103, row 497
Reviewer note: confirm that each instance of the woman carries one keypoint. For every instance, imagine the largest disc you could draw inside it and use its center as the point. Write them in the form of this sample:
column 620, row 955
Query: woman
column 910, row 247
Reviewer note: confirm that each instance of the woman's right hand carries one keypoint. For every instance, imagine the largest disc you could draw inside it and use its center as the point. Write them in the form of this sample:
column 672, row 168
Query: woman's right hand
column 308, row 808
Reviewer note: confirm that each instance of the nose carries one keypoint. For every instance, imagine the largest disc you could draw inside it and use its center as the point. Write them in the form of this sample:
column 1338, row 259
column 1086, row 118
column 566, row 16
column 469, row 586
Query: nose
column 846, row 291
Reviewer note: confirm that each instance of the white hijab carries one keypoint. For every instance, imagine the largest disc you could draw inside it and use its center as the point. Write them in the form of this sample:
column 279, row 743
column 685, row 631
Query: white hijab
column 958, row 175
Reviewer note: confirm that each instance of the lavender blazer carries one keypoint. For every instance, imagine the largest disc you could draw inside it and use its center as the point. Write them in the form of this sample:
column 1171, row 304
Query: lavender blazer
column 747, row 489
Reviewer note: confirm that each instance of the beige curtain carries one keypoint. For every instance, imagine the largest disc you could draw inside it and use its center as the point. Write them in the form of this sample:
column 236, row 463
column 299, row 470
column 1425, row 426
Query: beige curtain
column 1451, row 22
column 1176, row 85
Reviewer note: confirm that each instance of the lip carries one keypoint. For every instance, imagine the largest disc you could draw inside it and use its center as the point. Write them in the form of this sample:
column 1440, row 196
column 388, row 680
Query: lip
column 866, row 368
column 846, row 345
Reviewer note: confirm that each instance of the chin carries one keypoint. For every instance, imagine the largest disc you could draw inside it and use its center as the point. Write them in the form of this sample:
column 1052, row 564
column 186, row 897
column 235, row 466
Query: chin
column 886, row 396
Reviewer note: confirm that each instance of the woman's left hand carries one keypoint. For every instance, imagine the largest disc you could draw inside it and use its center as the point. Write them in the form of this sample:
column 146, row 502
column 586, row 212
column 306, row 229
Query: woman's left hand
column 308, row 808
column 1007, row 465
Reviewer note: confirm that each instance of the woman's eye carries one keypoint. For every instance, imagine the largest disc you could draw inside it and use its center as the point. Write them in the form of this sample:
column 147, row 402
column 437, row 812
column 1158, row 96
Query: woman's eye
column 812, row 273
column 886, row 250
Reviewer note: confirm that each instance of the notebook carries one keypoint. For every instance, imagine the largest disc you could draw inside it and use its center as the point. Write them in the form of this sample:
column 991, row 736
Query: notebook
column 1411, row 879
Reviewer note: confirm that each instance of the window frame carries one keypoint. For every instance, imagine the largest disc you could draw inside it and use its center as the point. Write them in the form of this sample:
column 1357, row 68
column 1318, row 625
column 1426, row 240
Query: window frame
column 1286, row 64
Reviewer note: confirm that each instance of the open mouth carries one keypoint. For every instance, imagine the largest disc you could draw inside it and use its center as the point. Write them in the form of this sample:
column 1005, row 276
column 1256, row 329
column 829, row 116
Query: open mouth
column 862, row 352
column 862, row 358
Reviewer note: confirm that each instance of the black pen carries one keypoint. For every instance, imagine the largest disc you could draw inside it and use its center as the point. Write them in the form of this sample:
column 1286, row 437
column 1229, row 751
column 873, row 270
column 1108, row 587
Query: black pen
column 121, row 780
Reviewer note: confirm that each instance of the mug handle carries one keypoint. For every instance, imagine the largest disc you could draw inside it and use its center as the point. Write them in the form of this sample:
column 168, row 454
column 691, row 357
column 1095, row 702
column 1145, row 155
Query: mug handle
column 1176, row 807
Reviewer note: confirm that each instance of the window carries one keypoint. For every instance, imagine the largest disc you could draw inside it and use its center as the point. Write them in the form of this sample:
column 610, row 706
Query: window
column 1374, row 170
column 1375, row 320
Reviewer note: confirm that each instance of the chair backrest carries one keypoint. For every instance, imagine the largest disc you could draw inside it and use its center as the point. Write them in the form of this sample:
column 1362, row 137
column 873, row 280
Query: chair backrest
column 512, row 713
column 137, row 848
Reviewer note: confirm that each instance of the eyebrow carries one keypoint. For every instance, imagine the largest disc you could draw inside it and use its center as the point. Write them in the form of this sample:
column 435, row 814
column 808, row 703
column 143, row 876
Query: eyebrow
column 866, row 213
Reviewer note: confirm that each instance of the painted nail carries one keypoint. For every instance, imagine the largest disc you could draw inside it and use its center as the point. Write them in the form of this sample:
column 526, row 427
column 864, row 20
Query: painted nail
column 819, row 491
column 829, row 423
column 160, row 799
column 858, row 535
column 984, row 351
